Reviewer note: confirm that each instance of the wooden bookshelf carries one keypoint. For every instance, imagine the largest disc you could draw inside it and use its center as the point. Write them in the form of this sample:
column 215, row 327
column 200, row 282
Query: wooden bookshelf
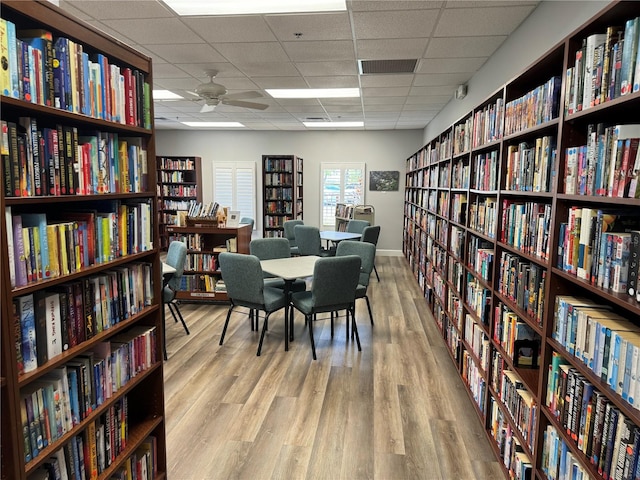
column 282, row 192
column 118, row 192
column 485, row 204
column 204, row 242
column 179, row 183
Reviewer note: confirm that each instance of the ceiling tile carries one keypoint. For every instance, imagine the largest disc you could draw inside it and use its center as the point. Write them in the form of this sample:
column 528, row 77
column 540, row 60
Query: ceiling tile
column 242, row 53
column 467, row 22
column 245, row 28
column 166, row 70
column 187, row 53
column 391, row 49
column 320, row 51
column 463, row 46
column 224, row 69
column 382, row 108
column 385, row 92
column 343, row 108
column 262, row 69
column 338, row 81
column 398, row 24
column 440, row 90
column 386, row 80
column 488, row 3
column 438, row 79
column 340, row 101
column 320, row 69
column 323, row 26
column 450, row 65
column 280, row 82
column 429, row 100
column 370, row 6
column 122, row 9
column 154, row 31
column 384, row 101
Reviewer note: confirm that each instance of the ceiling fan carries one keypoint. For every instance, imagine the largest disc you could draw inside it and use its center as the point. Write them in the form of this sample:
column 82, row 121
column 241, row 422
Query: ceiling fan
column 214, row 94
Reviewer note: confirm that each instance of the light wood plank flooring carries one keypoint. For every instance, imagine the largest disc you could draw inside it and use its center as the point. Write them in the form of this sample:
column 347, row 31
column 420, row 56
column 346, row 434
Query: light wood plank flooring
column 396, row 410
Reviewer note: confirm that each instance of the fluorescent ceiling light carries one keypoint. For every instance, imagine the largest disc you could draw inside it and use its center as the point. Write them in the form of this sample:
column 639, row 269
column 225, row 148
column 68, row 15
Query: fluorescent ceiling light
column 253, row 7
column 214, row 124
column 333, row 124
column 165, row 95
column 313, row 92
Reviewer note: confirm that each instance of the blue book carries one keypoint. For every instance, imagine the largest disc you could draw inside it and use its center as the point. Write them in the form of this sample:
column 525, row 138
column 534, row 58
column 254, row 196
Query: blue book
column 39, row 220
column 26, row 309
column 629, row 53
column 74, row 401
column 60, row 73
column 13, row 60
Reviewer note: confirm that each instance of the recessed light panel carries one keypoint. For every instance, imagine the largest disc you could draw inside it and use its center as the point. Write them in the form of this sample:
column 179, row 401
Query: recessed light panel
column 313, row 92
column 333, row 124
column 165, row 95
column 253, row 7
column 214, row 124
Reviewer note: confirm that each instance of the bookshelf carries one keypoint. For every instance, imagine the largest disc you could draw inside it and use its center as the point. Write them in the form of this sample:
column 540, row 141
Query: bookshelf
column 503, row 231
column 204, row 242
column 179, row 183
column 282, row 192
column 345, row 212
column 79, row 229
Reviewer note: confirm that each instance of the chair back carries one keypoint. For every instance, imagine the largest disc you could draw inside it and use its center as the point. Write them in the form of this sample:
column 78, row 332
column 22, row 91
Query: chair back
column 357, row 226
column 308, row 240
column 243, row 279
column 247, row 220
column 289, row 231
column 176, row 255
column 334, row 282
column 371, row 234
column 270, row 248
column 367, row 253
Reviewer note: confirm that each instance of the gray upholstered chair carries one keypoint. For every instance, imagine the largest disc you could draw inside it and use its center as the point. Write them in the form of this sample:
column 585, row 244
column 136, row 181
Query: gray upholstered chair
column 290, row 234
column 335, row 280
column 357, row 226
column 243, row 278
column 247, row 220
column 309, row 243
column 367, row 253
column 371, row 235
column 176, row 255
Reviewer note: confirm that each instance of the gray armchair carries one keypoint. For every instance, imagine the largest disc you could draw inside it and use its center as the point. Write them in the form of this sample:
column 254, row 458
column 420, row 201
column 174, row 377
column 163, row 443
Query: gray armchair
column 334, row 288
column 247, row 220
column 290, row 234
column 270, row 248
column 176, row 255
column 357, row 226
column 243, row 278
column 371, row 235
column 367, row 253
column 309, row 243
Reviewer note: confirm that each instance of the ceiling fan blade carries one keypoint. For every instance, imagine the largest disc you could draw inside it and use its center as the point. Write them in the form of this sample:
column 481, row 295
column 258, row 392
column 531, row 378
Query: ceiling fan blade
column 243, row 95
column 239, row 103
column 207, row 108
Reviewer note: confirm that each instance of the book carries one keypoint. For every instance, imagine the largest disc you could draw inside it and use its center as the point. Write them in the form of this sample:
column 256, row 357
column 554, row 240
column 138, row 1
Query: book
column 629, row 53
column 26, row 308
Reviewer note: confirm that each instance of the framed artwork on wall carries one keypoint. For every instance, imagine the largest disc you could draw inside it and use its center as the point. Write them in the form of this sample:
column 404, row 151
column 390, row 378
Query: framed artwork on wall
column 384, row 180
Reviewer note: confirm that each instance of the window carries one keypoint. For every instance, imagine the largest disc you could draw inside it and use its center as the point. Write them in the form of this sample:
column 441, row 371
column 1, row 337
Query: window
column 341, row 183
column 234, row 186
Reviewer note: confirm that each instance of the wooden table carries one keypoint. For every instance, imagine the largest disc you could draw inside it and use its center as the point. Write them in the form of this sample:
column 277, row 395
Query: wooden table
column 289, row 269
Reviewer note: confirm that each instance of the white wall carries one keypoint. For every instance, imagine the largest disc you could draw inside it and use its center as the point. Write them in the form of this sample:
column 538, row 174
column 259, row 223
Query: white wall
column 547, row 25
column 380, row 150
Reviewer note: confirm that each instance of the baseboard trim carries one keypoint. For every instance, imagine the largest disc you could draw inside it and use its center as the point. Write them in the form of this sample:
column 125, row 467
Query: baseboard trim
column 389, row 253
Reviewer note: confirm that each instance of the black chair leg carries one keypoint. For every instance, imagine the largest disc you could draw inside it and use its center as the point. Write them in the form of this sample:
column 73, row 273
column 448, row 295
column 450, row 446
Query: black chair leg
column 376, row 272
column 251, row 317
column 184, row 324
column 355, row 328
column 264, row 330
column 226, row 324
column 313, row 344
column 369, row 307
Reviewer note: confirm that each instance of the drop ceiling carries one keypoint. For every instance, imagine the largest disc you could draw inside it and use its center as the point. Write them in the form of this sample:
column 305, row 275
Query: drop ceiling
column 450, row 40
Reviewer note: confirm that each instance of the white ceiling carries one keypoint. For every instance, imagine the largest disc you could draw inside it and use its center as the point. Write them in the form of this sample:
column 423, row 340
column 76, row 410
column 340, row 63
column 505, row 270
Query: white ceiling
column 450, row 39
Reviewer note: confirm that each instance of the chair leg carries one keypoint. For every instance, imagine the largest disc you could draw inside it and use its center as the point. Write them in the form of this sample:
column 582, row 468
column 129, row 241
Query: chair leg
column 355, row 327
column 170, row 305
column 251, row 318
column 226, row 324
column 184, row 324
column 313, row 343
column 369, row 307
column 264, row 330
column 376, row 272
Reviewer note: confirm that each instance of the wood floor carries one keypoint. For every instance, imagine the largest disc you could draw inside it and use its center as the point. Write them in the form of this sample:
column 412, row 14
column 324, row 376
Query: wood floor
column 396, row 410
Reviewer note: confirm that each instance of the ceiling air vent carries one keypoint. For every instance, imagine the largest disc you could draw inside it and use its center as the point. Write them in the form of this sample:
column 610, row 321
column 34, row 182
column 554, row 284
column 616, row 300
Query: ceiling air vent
column 370, row 67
